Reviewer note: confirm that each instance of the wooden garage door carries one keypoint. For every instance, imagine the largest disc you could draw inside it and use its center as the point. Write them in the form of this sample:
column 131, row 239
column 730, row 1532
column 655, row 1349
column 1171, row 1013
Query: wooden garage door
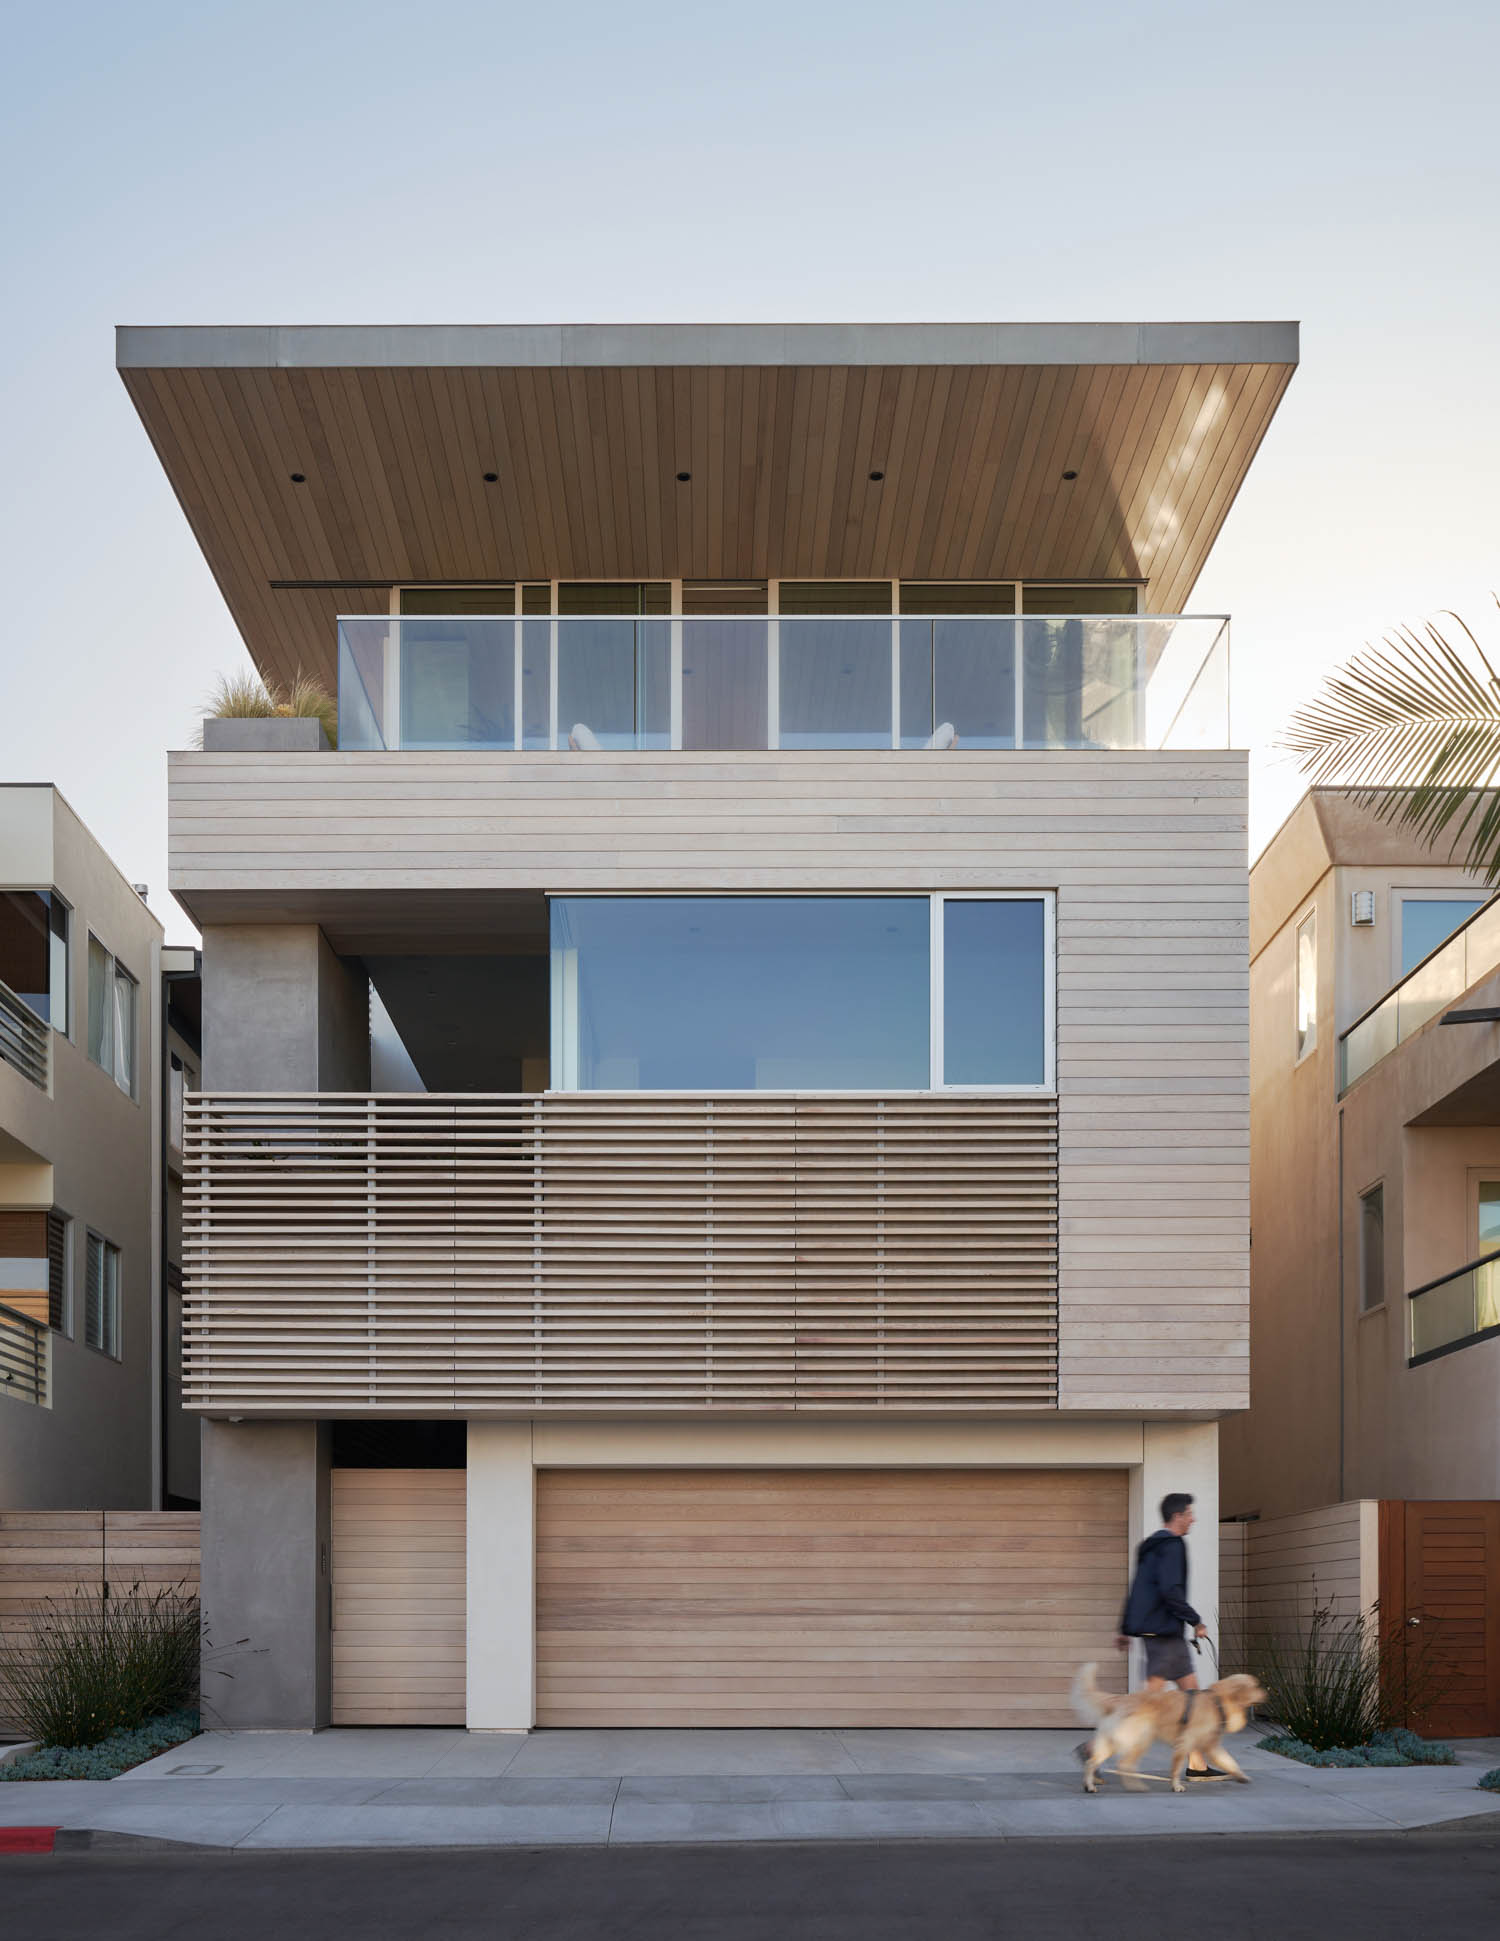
column 823, row 1597
column 398, row 1596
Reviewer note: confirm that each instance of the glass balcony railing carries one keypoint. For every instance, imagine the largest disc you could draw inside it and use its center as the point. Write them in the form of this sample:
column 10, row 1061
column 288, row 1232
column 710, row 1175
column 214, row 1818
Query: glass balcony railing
column 1472, row 952
column 1105, row 681
column 1456, row 1310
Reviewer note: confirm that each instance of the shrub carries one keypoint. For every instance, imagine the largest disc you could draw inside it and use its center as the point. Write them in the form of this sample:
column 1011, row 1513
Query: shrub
column 111, row 1757
column 239, row 697
column 1396, row 1747
column 1337, row 1683
column 78, row 1669
column 1490, row 1781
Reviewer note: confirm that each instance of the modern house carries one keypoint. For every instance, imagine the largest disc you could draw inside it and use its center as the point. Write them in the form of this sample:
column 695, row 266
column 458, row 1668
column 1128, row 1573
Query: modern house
column 79, row 1169
column 1370, row 1455
column 785, row 861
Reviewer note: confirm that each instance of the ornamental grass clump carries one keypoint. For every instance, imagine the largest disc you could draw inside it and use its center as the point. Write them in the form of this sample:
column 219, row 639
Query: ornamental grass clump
column 81, row 1668
column 1338, row 1684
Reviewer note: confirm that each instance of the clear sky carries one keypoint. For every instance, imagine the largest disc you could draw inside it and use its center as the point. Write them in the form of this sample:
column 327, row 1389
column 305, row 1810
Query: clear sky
column 353, row 161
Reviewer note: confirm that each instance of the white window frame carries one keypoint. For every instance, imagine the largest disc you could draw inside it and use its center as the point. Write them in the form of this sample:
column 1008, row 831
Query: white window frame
column 115, row 971
column 111, row 1301
column 1305, row 1047
column 1048, row 900
column 935, row 899
column 1399, row 898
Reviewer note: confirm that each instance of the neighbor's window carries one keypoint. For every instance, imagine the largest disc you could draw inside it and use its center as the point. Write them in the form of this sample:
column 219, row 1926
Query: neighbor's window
column 1427, row 921
column 112, row 1016
column 101, row 1296
column 1307, row 983
column 59, row 1247
column 34, row 951
column 786, row 993
column 1489, row 1217
column 1372, row 1248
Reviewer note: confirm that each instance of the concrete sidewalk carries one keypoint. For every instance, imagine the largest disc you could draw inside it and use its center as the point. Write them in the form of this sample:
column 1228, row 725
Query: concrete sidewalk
column 431, row 1788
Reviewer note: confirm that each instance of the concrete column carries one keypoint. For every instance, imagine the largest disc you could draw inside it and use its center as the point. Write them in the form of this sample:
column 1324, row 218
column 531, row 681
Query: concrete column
column 266, row 1578
column 1183, row 1456
column 501, row 1578
column 282, row 1012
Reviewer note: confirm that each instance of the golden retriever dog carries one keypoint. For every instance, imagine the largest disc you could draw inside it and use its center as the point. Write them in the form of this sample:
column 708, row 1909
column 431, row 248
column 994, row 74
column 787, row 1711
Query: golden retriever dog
column 1189, row 1722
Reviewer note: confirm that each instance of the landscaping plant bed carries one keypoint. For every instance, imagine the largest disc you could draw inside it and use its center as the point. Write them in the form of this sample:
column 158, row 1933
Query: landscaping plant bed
column 111, row 1757
column 1395, row 1747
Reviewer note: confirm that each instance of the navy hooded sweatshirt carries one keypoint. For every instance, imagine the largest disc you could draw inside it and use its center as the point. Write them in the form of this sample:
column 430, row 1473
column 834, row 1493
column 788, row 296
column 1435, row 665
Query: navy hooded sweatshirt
column 1157, row 1605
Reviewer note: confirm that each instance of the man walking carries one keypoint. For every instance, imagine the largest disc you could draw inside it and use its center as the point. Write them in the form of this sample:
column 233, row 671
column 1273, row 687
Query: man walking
column 1157, row 1611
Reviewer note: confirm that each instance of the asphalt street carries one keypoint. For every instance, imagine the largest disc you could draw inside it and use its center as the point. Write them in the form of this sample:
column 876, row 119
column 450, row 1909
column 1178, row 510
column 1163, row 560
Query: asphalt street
column 1408, row 1885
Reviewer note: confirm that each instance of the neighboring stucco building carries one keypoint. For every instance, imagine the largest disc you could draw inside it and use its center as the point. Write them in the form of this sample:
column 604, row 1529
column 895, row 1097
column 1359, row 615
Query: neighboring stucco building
column 785, row 854
column 1375, row 1197
column 79, row 1168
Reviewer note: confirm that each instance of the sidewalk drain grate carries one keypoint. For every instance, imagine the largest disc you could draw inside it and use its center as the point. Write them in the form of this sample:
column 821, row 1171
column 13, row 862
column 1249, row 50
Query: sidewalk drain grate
column 195, row 1771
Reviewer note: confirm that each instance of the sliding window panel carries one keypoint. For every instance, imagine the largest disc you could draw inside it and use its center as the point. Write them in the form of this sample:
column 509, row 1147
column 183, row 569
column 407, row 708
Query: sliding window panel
column 614, row 681
column 730, row 994
column 835, row 683
column 724, row 683
column 458, row 687
column 996, row 979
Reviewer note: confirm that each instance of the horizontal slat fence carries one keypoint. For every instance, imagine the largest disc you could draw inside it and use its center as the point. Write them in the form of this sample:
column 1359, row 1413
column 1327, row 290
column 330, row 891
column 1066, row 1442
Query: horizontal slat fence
column 60, row 1554
column 583, row 1253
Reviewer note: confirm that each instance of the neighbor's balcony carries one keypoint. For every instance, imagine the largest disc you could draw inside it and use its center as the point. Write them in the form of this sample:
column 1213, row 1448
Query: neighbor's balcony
column 1471, row 953
column 25, row 1039
column 24, row 1343
column 1456, row 1311
column 804, row 682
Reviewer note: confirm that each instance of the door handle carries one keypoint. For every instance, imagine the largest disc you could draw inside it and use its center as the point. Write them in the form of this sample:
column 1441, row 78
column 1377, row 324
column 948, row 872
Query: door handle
column 1413, row 1622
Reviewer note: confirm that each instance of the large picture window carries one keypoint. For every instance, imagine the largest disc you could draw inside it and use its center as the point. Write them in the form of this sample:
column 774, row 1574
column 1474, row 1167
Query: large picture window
column 801, row 993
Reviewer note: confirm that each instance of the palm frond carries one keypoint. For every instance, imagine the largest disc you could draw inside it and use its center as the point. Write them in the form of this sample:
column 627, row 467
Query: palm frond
column 1413, row 728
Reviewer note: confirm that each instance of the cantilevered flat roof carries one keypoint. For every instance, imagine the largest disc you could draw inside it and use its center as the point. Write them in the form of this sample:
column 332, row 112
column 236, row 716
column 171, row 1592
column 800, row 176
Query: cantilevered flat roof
column 586, row 427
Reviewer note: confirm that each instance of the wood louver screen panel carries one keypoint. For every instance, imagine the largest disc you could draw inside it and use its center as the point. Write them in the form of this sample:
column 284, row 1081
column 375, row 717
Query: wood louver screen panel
column 593, row 1254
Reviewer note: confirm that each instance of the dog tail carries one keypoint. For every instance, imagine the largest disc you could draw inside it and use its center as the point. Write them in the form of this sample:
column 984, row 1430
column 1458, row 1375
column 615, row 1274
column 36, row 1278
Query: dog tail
column 1088, row 1701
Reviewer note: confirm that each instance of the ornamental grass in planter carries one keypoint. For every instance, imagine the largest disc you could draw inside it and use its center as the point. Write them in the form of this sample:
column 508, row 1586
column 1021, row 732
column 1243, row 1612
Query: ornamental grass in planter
column 82, row 1668
column 246, row 697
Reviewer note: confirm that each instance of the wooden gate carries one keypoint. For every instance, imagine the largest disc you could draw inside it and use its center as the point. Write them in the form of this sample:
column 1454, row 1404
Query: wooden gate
column 1440, row 1609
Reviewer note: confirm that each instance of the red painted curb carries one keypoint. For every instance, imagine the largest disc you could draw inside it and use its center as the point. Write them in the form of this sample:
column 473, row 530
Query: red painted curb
column 27, row 1839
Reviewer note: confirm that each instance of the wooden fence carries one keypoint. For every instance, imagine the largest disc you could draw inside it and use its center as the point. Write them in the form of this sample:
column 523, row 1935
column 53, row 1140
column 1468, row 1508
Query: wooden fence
column 90, row 1553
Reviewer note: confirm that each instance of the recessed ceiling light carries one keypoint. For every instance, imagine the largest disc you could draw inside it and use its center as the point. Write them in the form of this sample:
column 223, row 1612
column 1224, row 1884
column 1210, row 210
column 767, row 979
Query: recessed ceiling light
column 491, row 478
column 876, row 477
column 1070, row 475
column 683, row 477
column 299, row 478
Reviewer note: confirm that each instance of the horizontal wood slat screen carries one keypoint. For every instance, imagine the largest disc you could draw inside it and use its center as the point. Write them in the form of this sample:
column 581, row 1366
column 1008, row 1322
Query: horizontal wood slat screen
column 594, row 1254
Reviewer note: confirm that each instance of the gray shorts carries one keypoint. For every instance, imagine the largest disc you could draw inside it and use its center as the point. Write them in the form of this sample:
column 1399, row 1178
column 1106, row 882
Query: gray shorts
column 1168, row 1657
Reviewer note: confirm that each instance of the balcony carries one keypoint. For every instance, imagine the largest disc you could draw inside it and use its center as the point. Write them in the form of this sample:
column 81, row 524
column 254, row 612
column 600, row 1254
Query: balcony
column 23, row 1356
column 1471, row 953
column 25, row 1040
column 582, row 1254
column 1456, row 1311
column 803, row 682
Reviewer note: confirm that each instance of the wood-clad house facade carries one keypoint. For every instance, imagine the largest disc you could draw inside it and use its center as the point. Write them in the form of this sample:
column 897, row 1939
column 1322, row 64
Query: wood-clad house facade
column 801, row 1227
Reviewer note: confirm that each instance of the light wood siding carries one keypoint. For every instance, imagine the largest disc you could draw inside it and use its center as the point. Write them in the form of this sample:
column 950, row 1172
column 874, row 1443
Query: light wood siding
column 1146, row 851
column 973, row 455
column 589, row 1254
column 1274, row 1572
column 61, row 1554
column 823, row 1598
column 398, row 1596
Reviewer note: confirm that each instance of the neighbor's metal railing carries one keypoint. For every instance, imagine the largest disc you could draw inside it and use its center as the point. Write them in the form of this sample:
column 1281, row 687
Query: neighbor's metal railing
column 23, row 1356
column 1455, row 1311
column 25, row 1039
column 1443, row 976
